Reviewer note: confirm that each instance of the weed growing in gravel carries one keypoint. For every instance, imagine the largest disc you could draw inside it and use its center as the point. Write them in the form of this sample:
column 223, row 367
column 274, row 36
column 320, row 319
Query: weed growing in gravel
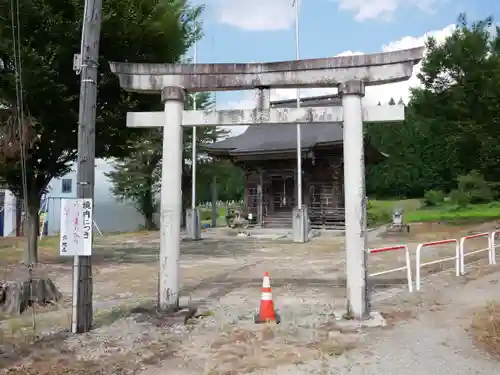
column 485, row 329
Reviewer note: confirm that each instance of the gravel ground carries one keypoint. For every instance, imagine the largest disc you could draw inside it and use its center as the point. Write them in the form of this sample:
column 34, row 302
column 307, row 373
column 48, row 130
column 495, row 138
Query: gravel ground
column 435, row 341
column 426, row 330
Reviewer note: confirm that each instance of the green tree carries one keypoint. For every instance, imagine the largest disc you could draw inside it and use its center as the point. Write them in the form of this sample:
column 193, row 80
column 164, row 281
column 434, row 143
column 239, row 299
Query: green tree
column 461, row 95
column 132, row 30
column 135, row 178
column 452, row 121
column 230, row 181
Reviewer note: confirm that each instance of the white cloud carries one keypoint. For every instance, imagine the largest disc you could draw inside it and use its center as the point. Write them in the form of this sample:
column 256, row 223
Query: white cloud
column 374, row 94
column 271, row 15
column 256, row 15
column 382, row 9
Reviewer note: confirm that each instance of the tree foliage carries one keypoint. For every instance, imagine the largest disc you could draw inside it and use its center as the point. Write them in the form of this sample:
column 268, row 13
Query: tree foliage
column 132, row 30
column 452, row 122
column 135, row 178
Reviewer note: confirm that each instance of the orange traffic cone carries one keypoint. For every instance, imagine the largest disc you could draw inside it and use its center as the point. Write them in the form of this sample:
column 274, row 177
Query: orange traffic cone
column 266, row 309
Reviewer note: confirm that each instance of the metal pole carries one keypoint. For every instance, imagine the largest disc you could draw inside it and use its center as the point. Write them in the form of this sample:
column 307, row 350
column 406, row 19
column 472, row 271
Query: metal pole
column 299, row 140
column 193, row 156
column 82, row 271
column 215, row 209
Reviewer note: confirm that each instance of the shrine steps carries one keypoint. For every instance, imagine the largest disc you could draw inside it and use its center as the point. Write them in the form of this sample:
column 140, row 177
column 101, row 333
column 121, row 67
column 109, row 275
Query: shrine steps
column 278, row 219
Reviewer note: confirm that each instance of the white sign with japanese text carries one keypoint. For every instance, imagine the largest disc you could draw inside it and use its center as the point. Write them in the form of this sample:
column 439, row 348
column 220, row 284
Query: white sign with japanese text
column 76, row 227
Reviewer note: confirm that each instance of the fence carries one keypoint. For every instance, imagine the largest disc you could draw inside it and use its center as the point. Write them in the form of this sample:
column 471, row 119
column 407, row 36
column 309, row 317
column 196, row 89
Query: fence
column 460, row 253
column 406, row 267
column 463, row 254
column 493, row 254
column 325, row 211
column 419, row 264
column 220, row 204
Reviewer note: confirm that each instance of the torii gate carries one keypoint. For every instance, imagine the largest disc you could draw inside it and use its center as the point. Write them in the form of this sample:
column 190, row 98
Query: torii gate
column 349, row 73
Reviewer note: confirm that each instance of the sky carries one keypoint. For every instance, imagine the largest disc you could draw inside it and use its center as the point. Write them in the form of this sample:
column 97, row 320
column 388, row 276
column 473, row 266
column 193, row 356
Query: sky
column 239, row 31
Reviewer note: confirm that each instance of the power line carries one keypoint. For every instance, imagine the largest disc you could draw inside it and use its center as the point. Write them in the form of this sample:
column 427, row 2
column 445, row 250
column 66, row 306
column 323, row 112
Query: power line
column 16, row 51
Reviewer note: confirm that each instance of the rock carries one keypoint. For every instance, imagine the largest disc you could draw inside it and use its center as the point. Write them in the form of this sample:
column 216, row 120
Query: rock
column 19, row 290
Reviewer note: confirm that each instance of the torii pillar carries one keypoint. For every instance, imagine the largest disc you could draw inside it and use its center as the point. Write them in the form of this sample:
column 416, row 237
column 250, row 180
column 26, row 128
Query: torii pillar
column 355, row 196
column 171, row 197
column 349, row 73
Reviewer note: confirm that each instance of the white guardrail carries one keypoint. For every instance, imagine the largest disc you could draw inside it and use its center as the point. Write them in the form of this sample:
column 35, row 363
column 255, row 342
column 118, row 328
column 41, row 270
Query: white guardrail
column 461, row 252
column 419, row 264
column 464, row 254
column 493, row 253
column 406, row 267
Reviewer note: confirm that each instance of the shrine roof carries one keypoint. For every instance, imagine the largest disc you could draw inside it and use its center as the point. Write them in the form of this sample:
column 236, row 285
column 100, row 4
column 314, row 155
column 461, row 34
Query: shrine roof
column 282, row 137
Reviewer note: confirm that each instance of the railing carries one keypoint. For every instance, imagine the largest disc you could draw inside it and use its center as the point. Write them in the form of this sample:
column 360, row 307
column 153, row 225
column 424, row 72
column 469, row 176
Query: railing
column 326, row 218
column 406, row 267
column 464, row 254
column 493, row 250
column 419, row 264
column 460, row 253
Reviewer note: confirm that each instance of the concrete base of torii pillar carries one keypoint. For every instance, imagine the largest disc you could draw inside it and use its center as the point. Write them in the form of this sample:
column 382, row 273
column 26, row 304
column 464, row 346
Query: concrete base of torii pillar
column 300, row 225
column 193, row 224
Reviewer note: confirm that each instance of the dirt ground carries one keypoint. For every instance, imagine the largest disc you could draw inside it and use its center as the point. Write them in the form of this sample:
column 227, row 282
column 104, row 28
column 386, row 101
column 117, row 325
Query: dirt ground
column 222, row 276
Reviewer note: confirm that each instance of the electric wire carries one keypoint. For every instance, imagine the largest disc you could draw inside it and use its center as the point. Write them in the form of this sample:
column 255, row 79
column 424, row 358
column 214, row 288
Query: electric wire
column 16, row 51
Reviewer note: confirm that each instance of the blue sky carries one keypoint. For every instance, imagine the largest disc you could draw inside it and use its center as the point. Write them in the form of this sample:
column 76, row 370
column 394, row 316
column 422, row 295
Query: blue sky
column 263, row 30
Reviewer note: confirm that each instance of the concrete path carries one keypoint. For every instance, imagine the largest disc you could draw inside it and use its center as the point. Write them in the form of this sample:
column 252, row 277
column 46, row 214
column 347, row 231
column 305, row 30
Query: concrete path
column 437, row 342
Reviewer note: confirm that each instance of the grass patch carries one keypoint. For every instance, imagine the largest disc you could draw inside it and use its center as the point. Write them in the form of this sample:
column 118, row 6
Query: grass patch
column 12, row 248
column 453, row 214
column 107, row 317
column 380, row 212
column 485, row 329
column 206, row 216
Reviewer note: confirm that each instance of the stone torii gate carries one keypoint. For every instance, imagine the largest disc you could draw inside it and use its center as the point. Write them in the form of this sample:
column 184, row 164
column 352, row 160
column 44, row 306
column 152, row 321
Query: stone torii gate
column 349, row 73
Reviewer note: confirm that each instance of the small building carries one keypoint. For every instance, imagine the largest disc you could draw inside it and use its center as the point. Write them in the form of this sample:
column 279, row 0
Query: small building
column 268, row 156
column 110, row 215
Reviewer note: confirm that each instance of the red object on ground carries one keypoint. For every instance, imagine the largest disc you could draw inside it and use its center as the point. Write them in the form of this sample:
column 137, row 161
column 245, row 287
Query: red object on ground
column 266, row 309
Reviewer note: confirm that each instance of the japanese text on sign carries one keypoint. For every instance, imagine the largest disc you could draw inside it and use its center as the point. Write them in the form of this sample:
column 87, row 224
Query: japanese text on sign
column 76, row 227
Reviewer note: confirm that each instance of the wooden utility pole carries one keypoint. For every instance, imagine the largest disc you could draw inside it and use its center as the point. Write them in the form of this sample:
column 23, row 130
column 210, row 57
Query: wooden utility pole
column 86, row 64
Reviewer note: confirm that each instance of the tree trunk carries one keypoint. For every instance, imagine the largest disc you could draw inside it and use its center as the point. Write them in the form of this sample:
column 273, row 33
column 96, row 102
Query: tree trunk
column 148, row 207
column 183, row 212
column 19, row 217
column 32, row 205
column 149, row 223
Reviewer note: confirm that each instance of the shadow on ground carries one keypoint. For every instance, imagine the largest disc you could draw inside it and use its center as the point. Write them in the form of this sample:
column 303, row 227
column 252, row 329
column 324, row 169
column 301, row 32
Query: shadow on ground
column 122, row 254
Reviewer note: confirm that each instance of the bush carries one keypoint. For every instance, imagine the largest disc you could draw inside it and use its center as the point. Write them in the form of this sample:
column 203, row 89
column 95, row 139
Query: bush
column 460, row 198
column 378, row 216
column 433, row 198
column 369, row 204
column 475, row 187
column 205, row 215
